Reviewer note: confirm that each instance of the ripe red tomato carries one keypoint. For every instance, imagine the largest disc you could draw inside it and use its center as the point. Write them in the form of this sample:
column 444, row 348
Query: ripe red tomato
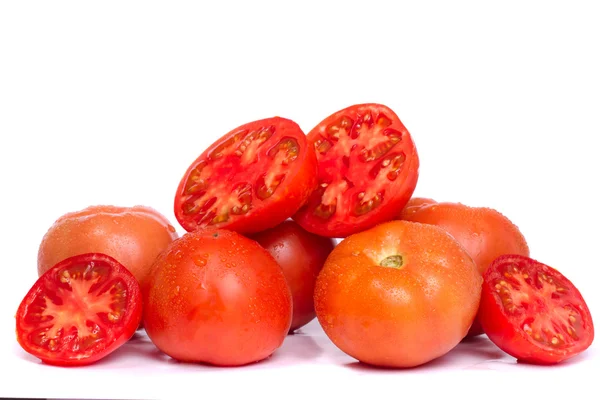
column 251, row 179
column 367, row 170
column 301, row 255
column 397, row 295
column 219, row 298
column 533, row 312
column 485, row 233
column 79, row 311
column 132, row 235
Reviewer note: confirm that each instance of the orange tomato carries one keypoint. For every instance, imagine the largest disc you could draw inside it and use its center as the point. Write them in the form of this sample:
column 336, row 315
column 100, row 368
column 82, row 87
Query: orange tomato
column 484, row 232
column 134, row 236
column 398, row 295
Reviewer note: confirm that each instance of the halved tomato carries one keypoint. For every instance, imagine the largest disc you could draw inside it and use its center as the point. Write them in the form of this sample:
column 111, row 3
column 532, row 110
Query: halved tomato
column 533, row 312
column 367, row 170
column 79, row 311
column 251, row 179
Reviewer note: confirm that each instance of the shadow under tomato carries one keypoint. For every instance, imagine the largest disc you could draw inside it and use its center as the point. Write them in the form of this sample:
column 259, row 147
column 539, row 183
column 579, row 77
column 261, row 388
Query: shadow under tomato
column 472, row 352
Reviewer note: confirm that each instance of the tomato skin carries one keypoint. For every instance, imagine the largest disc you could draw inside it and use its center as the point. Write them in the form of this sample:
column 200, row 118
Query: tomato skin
column 132, row 235
column 484, row 232
column 219, row 298
column 299, row 182
column 301, row 255
column 120, row 334
column 501, row 330
column 397, row 192
column 397, row 317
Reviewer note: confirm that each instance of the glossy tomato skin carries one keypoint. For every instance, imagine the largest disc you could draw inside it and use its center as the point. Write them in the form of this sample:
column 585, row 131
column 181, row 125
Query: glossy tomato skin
column 508, row 329
column 484, row 232
column 301, row 255
column 219, row 298
column 122, row 298
column 132, row 235
column 225, row 187
column 368, row 169
column 413, row 310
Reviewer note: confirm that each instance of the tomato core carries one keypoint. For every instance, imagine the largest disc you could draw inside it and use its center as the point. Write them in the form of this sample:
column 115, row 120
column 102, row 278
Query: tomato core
column 394, row 261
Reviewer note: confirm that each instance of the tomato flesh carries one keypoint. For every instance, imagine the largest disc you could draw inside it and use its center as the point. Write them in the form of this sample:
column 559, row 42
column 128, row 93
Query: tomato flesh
column 79, row 311
column 533, row 312
column 251, row 179
column 367, row 170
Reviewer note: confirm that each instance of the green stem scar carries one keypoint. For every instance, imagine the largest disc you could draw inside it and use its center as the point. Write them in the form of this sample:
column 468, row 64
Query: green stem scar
column 392, row 261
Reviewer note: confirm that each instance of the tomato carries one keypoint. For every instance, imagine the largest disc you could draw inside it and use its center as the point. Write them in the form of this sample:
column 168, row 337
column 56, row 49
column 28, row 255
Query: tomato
column 79, row 311
column 367, row 169
column 414, row 205
column 484, row 232
column 301, row 255
column 251, row 179
column 217, row 297
column 533, row 312
column 132, row 235
column 397, row 295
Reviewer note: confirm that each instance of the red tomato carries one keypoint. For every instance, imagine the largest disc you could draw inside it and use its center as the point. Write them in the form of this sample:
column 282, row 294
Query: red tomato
column 397, row 295
column 533, row 312
column 368, row 169
column 219, row 298
column 79, row 311
column 251, row 179
column 414, row 205
column 485, row 233
column 301, row 255
column 132, row 235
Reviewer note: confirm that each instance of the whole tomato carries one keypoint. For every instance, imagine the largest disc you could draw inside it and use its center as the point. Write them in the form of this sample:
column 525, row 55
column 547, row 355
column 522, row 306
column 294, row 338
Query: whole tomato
column 134, row 236
column 398, row 295
column 301, row 255
column 217, row 297
column 484, row 232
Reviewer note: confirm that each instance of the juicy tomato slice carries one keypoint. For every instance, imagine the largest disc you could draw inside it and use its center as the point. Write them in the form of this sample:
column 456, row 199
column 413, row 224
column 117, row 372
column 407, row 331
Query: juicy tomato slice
column 79, row 311
column 533, row 312
column 251, row 179
column 367, row 170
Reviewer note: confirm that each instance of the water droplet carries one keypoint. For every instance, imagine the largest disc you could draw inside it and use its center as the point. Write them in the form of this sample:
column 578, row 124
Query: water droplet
column 171, row 228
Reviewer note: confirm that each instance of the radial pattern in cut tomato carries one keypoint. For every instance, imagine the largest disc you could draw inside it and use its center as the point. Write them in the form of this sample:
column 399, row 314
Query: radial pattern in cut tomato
column 533, row 312
column 79, row 311
column 251, row 179
column 367, row 170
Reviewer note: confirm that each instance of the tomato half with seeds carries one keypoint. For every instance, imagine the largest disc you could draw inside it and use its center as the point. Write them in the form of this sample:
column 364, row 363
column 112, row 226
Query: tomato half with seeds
column 367, row 170
column 79, row 311
column 251, row 179
column 533, row 312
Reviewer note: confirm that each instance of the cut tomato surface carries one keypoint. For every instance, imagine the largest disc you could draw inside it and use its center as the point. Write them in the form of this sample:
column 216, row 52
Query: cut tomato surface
column 79, row 311
column 251, row 179
column 533, row 312
column 367, row 170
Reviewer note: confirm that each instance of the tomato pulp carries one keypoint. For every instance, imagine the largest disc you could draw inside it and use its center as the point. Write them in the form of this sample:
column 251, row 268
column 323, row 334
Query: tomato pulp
column 533, row 312
column 367, row 170
column 251, row 179
column 79, row 311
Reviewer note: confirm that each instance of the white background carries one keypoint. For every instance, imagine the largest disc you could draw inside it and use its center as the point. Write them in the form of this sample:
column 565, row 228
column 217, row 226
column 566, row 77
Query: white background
column 109, row 102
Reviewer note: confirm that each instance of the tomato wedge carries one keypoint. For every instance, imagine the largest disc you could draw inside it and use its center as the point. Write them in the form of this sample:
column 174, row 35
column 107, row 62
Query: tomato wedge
column 533, row 312
column 251, row 179
column 79, row 311
column 367, row 170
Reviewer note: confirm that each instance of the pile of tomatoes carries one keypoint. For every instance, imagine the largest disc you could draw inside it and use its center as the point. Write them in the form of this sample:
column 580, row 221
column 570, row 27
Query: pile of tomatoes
column 263, row 206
